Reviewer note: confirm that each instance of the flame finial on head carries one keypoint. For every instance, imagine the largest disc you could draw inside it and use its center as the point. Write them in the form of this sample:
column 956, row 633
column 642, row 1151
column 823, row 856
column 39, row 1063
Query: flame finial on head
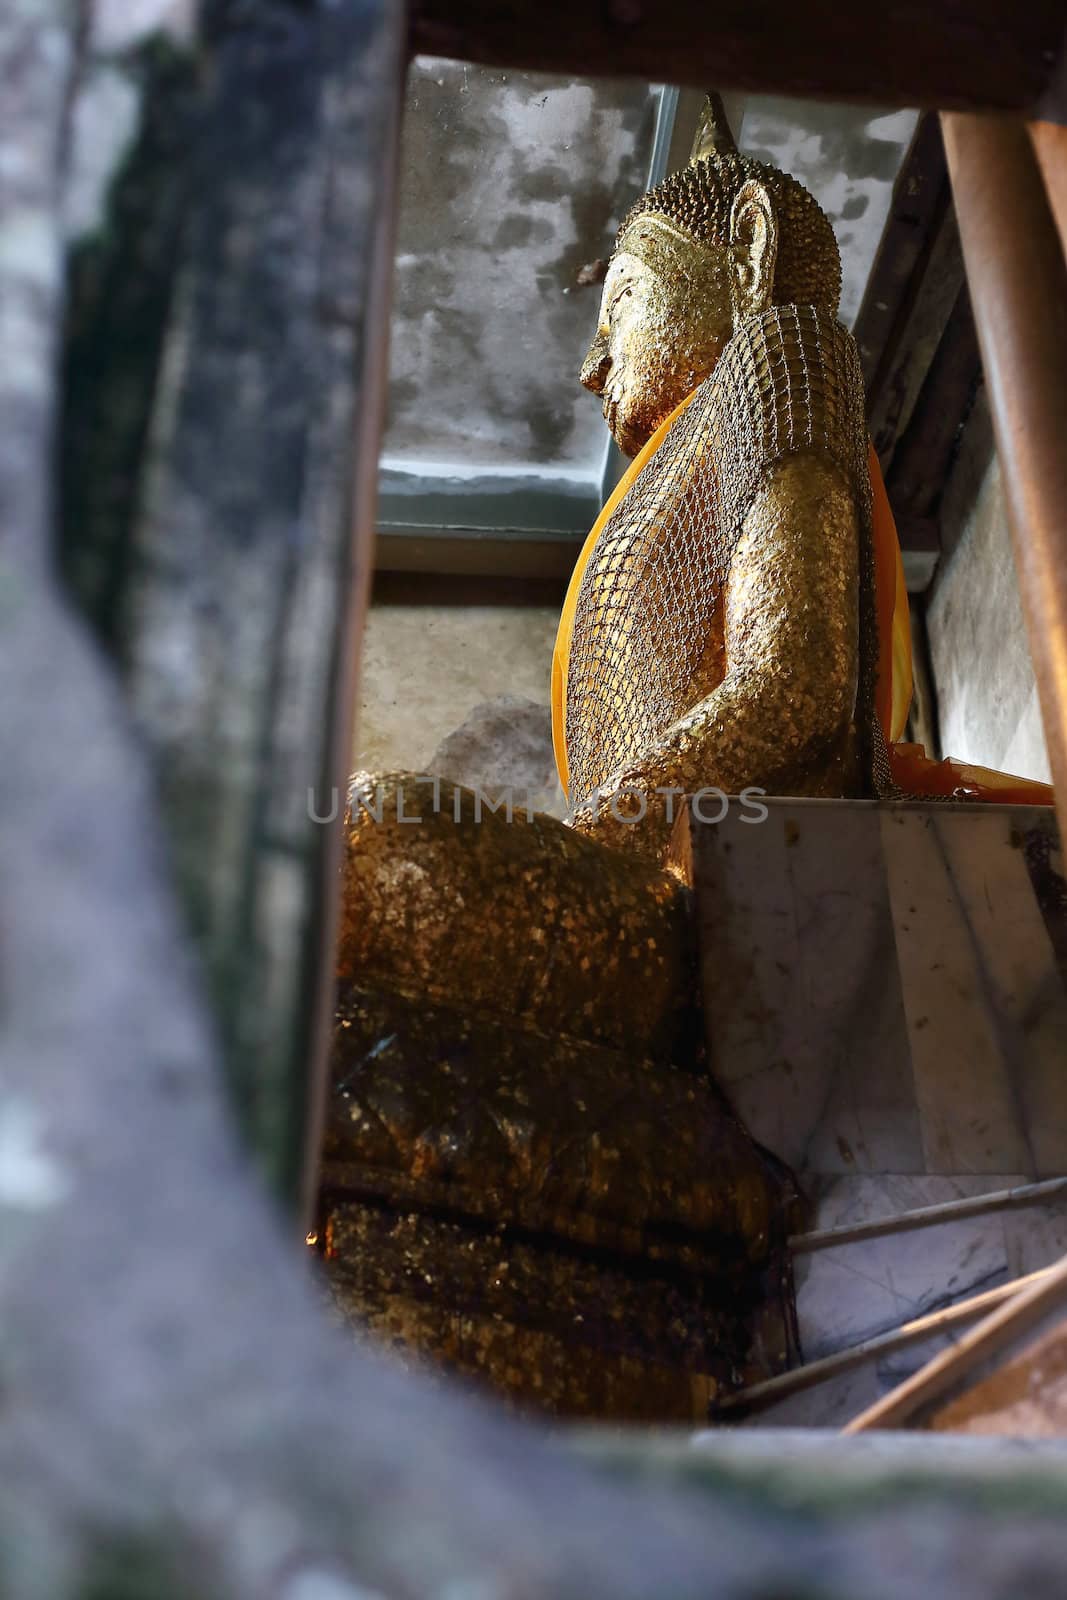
column 713, row 135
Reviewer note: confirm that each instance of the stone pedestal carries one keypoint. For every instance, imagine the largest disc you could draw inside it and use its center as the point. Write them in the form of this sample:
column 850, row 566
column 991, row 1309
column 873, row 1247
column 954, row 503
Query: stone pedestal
column 886, row 1011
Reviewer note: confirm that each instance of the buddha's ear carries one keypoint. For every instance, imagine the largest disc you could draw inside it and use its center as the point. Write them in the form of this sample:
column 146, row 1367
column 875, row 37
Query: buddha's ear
column 753, row 248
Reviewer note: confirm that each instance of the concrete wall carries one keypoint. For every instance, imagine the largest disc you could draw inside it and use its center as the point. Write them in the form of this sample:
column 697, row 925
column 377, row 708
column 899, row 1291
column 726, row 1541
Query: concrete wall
column 983, row 680
column 510, row 183
column 460, row 690
column 848, row 156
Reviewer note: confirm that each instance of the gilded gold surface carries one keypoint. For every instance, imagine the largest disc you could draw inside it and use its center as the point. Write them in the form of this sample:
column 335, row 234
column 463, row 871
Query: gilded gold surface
column 520, row 919
column 551, row 1328
column 714, row 244
column 716, row 634
column 500, row 1198
column 514, row 993
column 491, row 1119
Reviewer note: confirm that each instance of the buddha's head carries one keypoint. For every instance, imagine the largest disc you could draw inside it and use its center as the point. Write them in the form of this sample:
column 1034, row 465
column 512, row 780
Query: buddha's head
column 720, row 241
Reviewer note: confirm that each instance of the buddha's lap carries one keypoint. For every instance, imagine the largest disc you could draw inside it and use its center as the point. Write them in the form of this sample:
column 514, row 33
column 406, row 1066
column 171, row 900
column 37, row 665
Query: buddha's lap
column 516, row 916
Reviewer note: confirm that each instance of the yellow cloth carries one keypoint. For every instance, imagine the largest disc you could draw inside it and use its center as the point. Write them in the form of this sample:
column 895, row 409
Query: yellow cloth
column 912, row 769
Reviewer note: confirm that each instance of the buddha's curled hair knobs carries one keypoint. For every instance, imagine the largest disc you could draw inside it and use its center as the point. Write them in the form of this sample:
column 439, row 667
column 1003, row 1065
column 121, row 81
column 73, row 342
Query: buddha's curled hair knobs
column 698, row 199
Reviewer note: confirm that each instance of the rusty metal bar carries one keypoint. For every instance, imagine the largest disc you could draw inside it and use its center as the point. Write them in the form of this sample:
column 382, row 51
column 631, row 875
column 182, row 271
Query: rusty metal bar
column 1036, row 1297
column 1050, row 147
column 768, row 1390
column 1018, row 284
column 975, row 1205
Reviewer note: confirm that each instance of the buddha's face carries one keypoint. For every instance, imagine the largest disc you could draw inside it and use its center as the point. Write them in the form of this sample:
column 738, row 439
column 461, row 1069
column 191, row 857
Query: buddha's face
column 665, row 317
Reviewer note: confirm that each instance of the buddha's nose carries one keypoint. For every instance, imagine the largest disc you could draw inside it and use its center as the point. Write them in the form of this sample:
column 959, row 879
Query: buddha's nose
column 596, row 366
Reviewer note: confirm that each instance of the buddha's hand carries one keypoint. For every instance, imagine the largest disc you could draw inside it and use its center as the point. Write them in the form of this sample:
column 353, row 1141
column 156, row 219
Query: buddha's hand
column 634, row 811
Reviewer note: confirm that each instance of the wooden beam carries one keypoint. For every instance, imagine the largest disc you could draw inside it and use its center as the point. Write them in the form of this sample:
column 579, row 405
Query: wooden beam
column 795, row 1381
column 1024, row 1397
column 918, row 348
column 920, row 196
column 1050, row 147
column 435, row 588
column 931, row 295
column 478, row 555
column 923, row 455
column 992, row 54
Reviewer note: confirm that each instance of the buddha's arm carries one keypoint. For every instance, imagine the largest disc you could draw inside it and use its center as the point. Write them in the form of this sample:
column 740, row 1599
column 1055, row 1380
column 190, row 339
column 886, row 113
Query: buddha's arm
column 792, row 650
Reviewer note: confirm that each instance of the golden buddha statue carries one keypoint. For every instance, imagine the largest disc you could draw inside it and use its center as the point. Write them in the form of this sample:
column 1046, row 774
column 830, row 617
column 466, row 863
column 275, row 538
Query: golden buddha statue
column 711, row 635
column 528, row 1170
column 738, row 616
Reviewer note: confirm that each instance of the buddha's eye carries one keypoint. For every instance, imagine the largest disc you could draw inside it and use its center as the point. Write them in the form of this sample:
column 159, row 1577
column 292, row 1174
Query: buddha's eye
column 611, row 307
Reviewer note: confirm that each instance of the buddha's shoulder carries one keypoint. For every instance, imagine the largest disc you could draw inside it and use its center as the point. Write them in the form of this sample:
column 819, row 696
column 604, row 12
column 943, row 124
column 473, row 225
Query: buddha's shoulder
column 790, row 354
column 788, row 380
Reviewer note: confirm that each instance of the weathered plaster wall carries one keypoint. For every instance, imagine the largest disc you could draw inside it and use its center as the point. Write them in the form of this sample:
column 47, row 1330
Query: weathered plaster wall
column 983, row 678
column 511, row 182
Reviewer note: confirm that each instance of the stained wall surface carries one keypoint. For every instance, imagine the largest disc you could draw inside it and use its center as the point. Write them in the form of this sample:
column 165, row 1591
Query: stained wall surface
column 511, row 183
column 983, row 677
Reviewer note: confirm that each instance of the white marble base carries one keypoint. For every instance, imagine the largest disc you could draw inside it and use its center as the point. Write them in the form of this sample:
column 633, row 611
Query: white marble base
column 886, row 1009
